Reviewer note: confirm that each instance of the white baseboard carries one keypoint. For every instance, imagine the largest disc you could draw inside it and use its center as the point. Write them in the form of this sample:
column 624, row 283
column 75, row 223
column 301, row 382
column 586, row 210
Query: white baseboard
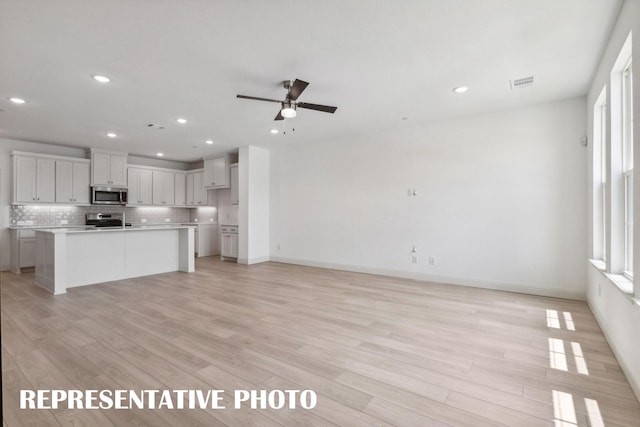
column 635, row 386
column 450, row 280
column 250, row 261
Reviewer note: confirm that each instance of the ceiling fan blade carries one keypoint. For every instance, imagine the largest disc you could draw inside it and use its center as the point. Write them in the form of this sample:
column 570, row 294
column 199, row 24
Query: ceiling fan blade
column 297, row 88
column 279, row 116
column 317, row 107
column 255, row 98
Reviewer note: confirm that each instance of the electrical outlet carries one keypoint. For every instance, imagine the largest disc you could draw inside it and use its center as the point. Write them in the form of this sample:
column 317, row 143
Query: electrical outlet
column 64, row 222
column 20, row 223
column 432, row 260
column 28, row 223
column 167, row 220
column 143, row 220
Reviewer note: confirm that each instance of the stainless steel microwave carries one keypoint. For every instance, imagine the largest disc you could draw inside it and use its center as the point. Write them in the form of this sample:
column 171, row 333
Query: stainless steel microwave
column 108, row 196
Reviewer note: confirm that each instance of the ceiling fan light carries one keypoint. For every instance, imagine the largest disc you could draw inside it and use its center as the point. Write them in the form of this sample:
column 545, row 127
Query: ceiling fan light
column 288, row 110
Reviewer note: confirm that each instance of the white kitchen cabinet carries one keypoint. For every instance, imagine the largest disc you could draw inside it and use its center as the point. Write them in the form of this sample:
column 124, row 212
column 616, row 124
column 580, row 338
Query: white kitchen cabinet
column 22, row 249
column 72, row 181
column 229, row 241
column 34, row 179
column 108, row 168
column 217, row 172
column 235, row 196
column 140, row 184
column 196, row 193
column 163, row 188
column 180, row 189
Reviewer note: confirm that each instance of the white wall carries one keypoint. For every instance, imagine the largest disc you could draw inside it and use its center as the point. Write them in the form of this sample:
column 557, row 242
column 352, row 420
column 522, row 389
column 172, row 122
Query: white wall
column 254, row 213
column 501, row 201
column 617, row 314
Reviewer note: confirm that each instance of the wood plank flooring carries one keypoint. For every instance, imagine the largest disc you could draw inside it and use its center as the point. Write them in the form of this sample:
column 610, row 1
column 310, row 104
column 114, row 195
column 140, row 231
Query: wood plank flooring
column 378, row 351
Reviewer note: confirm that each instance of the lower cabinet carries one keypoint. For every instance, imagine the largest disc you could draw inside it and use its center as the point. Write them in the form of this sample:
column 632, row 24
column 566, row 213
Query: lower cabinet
column 23, row 249
column 229, row 241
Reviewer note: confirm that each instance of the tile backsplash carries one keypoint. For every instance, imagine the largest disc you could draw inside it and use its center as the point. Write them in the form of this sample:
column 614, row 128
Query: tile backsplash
column 75, row 215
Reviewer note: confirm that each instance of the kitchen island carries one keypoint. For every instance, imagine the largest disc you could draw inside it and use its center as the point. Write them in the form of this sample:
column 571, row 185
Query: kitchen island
column 70, row 257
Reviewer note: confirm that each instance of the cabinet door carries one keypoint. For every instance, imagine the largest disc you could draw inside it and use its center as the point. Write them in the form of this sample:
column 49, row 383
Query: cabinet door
column 64, row 181
column 27, row 252
column 118, row 170
column 180, row 189
column 45, row 180
column 235, row 197
column 199, row 193
column 146, row 187
column 158, row 188
column 169, row 185
column 81, row 178
column 189, row 186
column 100, row 169
column 133, row 184
column 216, row 172
column 225, row 245
column 25, row 177
column 234, row 246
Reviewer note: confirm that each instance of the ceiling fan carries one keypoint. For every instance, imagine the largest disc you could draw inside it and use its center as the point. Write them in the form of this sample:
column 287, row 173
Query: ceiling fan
column 290, row 104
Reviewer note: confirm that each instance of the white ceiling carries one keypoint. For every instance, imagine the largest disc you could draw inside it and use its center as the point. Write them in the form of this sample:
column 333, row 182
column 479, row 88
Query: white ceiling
column 377, row 60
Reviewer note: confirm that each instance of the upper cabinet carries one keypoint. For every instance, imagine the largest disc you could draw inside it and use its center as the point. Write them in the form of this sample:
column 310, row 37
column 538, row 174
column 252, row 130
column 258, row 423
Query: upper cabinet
column 33, row 179
column 140, row 184
column 217, row 172
column 163, row 188
column 72, row 181
column 108, row 168
column 235, row 196
column 196, row 194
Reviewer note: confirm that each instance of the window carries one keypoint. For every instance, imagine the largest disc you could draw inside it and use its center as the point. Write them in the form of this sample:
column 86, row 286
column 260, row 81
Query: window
column 612, row 175
column 599, row 247
column 627, row 153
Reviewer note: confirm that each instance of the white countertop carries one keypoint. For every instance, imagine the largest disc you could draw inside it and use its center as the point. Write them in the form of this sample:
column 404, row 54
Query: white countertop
column 70, row 230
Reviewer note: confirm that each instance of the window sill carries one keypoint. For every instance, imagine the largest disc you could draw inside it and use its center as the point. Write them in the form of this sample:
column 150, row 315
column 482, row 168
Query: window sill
column 620, row 281
column 599, row 264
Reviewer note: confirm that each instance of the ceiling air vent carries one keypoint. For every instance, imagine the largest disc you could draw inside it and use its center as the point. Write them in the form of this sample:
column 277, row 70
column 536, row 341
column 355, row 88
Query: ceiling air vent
column 520, row 83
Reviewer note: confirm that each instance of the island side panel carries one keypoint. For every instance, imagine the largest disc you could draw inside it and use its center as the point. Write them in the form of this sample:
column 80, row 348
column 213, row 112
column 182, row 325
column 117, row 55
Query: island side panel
column 95, row 257
column 187, row 255
column 44, row 258
column 151, row 252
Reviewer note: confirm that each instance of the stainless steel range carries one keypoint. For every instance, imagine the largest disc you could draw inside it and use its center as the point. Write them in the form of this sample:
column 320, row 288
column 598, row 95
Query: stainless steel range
column 106, row 220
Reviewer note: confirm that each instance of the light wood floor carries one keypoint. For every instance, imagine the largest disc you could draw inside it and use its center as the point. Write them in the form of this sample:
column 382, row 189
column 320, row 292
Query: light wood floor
column 378, row 351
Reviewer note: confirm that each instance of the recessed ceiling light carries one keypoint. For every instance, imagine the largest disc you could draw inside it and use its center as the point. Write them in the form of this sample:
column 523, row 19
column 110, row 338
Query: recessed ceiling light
column 101, row 79
column 17, row 100
column 112, row 135
column 461, row 89
column 209, row 141
column 160, row 154
column 181, row 120
column 274, row 131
